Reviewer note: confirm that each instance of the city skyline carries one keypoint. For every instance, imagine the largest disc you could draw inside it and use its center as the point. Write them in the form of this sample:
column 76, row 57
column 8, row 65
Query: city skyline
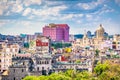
column 28, row 17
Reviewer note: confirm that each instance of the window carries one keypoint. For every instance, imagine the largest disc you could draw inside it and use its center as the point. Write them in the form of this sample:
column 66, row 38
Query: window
column 64, row 66
column 37, row 62
column 47, row 62
column 14, row 78
column 22, row 70
column 11, row 50
column 114, row 42
column 23, row 63
column 37, row 68
column 16, row 50
column 42, row 68
column 13, row 70
column 40, row 62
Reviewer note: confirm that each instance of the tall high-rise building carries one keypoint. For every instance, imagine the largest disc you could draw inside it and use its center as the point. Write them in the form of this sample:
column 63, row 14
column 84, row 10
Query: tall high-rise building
column 57, row 32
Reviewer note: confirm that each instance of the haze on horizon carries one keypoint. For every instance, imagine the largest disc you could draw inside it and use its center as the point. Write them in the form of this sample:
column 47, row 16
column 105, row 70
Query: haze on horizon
column 23, row 16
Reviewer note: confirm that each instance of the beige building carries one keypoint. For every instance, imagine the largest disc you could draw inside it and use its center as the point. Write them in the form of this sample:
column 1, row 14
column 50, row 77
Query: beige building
column 95, row 42
column 7, row 51
column 116, row 42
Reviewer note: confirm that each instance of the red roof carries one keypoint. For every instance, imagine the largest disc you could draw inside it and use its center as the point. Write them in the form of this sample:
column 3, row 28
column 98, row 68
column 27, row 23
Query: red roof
column 62, row 25
column 59, row 25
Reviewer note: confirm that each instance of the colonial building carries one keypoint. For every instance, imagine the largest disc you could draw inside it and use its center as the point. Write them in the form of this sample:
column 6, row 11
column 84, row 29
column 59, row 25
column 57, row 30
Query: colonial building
column 20, row 68
column 94, row 42
column 100, row 32
column 43, row 44
column 42, row 63
column 116, row 42
column 7, row 51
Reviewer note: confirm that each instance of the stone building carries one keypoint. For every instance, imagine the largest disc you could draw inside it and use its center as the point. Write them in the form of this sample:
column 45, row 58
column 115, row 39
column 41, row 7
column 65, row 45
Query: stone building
column 42, row 63
column 7, row 51
column 116, row 42
column 19, row 69
column 63, row 66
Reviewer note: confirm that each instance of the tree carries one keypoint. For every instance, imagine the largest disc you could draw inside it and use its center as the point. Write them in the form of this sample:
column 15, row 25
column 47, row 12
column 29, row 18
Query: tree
column 100, row 68
column 58, row 76
column 84, row 75
column 70, row 73
column 43, row 77
column 107, row 71
column 31, row 78
column 97, row 52
column 77, row 61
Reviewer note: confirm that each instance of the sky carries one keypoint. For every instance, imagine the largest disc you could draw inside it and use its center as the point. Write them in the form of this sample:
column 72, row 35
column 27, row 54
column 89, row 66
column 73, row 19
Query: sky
column 30, row 16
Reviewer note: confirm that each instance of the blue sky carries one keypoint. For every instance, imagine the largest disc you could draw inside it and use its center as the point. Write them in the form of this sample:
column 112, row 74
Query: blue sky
column 29, row 16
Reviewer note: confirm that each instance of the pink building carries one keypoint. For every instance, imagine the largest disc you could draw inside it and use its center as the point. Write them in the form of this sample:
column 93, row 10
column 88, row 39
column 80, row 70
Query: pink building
column 57, row 32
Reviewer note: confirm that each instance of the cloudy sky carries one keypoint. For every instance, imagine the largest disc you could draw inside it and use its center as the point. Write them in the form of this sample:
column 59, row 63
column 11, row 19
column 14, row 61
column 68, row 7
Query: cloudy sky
column 29, row 16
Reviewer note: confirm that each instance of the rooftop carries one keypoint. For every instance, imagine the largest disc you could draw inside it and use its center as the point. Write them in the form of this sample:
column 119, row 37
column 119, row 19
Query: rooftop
column 52, row 25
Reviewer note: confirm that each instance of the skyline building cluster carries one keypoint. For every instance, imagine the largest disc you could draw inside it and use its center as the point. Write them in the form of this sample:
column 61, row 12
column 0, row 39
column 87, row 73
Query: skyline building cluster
column 55, row 50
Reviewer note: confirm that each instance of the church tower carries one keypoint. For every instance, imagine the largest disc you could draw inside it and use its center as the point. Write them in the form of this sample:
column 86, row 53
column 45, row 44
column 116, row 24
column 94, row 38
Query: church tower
column 100, row 32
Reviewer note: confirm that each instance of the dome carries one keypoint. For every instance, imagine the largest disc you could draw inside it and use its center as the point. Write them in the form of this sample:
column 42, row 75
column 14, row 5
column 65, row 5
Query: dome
column 100, row 28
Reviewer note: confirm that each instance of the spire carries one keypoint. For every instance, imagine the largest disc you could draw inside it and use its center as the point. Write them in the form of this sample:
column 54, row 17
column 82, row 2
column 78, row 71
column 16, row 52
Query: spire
column 100, row 25
column 85, row 34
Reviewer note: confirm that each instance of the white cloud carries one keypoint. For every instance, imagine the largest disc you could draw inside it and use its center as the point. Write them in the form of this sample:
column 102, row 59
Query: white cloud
column 3, row 7
column 79, row 15
column 49, row 11
column 70, row 16
column 31, row 2
column 88, row 16
column 91, row 5
column 105, row 9
column 67, row 17
column 17, row 8
column 26, row 11
column 25, row 23
column 79, row 21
